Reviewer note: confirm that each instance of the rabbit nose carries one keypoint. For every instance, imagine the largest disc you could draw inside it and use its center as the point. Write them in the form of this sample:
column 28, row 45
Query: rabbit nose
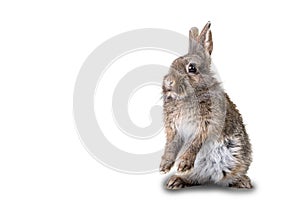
column 169, row 82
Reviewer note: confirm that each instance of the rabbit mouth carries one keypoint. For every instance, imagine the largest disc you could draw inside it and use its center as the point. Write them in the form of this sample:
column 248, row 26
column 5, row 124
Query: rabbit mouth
column 171, row 95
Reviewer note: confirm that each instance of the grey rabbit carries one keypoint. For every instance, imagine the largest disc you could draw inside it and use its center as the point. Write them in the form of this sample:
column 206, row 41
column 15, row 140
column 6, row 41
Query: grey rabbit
column 206, row 137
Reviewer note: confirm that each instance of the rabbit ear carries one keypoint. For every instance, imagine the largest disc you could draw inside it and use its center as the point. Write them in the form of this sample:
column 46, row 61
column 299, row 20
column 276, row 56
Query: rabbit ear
column 205, row 38
column 193, row 40
column 198, row 42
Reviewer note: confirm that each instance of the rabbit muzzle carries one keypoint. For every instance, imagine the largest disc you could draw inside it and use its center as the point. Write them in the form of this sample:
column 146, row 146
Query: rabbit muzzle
column 173, row 87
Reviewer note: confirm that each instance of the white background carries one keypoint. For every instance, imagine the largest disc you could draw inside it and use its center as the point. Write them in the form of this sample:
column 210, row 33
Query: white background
column 43, row 45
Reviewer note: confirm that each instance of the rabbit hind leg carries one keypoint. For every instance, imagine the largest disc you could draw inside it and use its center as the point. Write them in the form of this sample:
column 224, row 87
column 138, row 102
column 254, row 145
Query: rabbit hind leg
column 176, row 182
column 242, row 182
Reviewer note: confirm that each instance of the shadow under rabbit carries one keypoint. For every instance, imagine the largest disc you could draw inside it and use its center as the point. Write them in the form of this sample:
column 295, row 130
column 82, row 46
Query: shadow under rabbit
column 209, row 187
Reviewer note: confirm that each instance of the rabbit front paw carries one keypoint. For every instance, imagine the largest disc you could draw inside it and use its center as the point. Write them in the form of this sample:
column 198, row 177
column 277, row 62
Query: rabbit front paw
column 185, row 165
column 165, row 166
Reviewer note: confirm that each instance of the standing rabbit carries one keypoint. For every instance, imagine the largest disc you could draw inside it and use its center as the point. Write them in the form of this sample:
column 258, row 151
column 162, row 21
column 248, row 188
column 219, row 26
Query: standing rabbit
column 206, row 137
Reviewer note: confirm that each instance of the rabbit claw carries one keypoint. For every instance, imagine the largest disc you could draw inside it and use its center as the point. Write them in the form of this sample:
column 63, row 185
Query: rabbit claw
column 165, row 166
column 185, row 165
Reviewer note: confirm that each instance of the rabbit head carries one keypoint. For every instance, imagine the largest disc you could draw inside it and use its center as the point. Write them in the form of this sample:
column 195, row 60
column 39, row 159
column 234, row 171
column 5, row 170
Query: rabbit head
column 192, row 71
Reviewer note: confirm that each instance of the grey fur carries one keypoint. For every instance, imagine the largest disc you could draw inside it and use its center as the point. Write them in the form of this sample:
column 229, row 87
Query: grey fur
column 206, row 137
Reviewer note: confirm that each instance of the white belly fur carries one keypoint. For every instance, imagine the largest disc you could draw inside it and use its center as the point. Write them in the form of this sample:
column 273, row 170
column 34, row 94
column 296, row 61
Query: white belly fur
column 213, row 159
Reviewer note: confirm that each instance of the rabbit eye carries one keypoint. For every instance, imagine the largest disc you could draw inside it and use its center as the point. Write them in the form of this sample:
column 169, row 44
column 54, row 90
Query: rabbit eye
column 192, row 68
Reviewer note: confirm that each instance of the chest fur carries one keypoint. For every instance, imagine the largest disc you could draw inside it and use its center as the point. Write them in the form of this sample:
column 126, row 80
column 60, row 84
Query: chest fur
column 187, row 121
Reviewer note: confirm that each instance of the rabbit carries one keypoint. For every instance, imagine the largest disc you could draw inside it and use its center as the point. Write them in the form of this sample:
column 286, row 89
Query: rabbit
column 205, row 135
